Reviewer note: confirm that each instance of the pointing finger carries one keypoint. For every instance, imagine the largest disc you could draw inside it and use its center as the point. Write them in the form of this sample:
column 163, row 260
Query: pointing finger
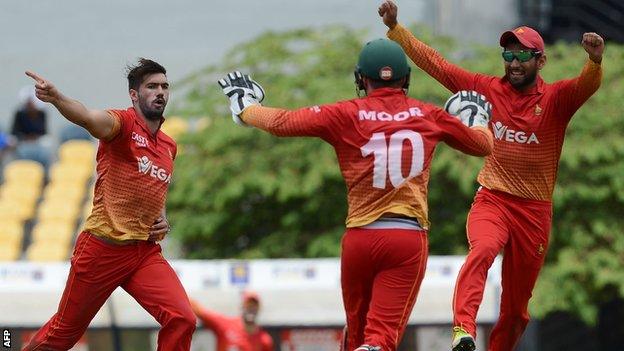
column 34, row 76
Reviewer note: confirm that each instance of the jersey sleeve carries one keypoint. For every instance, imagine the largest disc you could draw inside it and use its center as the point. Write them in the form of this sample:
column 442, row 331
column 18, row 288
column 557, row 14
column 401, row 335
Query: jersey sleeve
column 453, row 77
column 209, row 319
column 572, row 93
column 122, row 125
column 267, row 342
column 475, row 141
column 317, row 121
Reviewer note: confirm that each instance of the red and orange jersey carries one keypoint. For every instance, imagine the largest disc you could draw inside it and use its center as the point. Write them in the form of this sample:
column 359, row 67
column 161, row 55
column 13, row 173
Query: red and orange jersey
column 230, row 331
column 134, row 170
column 528, row 127
column 384, row 144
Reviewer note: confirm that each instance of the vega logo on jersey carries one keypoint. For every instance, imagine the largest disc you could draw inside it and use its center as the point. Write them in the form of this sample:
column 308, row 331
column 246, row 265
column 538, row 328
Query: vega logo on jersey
column 386, row 117
column 147, row 166
column 140, row 140
column 502, row 132
column 144, row 164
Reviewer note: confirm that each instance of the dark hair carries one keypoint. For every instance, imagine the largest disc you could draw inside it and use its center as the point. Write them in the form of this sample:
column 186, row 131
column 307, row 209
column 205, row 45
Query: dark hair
column 144, row 67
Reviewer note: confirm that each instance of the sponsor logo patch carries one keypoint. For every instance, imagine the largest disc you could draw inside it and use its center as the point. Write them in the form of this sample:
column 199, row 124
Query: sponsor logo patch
column 385, row 73
column 147, row 166
column 502, row 132
column 140, row 140
column 144, row 164
column 538, row 110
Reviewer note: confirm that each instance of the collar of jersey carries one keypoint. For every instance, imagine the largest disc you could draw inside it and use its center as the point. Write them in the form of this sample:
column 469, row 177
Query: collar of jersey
column 386, row 91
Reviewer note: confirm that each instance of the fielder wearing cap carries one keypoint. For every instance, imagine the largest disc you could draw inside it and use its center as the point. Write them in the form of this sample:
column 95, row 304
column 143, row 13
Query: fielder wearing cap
column 512, row 211
column 237, row 333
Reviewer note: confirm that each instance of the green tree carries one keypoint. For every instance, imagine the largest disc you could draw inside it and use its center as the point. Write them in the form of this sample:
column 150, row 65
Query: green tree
column 587, row 244
column 239, row 192
column 242, row 193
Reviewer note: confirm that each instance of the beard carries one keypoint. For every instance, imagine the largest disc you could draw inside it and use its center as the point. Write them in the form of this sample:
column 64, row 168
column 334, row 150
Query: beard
column 249, row 318
column 520, row 84
column 150, row 112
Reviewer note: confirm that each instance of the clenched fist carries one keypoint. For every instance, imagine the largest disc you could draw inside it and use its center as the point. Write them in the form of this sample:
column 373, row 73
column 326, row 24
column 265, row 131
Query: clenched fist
column 388, row 11
column 594, row 45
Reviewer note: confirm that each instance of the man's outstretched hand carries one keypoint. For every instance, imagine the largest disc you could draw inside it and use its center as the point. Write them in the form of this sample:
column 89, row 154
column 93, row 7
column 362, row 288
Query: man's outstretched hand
column 44, row 90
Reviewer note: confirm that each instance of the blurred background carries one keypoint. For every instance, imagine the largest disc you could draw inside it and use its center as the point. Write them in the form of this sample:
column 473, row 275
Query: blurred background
column 250, row 211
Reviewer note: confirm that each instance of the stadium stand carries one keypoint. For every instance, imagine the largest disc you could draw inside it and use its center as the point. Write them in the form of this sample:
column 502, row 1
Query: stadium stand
column 40, row 215
column 11, row 236
column 60, row 212
column 24, row 171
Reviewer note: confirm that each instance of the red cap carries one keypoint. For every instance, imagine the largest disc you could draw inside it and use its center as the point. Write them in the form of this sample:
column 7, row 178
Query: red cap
column 527, row 36
column 251, row 295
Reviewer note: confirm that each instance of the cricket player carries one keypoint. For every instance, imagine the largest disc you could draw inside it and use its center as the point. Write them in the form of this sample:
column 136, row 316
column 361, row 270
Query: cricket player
column 512, row 211
column 119, row 242
column 237, row 333
column 384, row 143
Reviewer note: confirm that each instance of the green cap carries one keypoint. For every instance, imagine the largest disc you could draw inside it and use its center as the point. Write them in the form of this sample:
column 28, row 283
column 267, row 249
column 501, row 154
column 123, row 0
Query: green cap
column 383, row 59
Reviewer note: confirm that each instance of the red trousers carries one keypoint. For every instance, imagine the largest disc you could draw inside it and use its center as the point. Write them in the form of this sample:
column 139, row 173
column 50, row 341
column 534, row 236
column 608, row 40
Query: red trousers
column 97, row 269
column 521, row 228
column 381, row 272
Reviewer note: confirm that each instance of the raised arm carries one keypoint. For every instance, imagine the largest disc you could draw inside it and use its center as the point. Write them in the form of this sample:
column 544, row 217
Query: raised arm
column 245, row 96
column 453, row 77
column 98, row 123
column 210, row 320
column 574, row 92
column 308, row 121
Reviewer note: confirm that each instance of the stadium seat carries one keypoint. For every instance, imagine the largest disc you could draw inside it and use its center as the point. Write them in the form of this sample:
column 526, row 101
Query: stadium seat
column 20, row 191
column 47, row 252
column 175, row 127
column 72, row 193
column 71, row 173
column 77, row 151
column 11, row 235
column 53, row 232
column 58, row 209
column 23, row 199
column 10, row 251
column 11, row 230
column 29, row 172
column 16, row 211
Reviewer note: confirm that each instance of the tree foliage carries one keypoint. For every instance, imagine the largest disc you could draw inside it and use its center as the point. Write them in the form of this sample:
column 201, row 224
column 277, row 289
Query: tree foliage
column 239, row 192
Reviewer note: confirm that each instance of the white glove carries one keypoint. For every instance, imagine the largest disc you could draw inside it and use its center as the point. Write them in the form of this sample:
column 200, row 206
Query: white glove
column 242, row 92
column 470, row 107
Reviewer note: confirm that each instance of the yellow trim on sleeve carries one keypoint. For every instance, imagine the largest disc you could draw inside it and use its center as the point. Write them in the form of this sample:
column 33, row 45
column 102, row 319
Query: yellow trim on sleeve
column 115, row 128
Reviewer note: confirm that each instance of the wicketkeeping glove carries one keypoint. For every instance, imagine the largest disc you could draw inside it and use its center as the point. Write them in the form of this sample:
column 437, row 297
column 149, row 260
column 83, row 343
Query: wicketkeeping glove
column 242, row 92
column 470, row 107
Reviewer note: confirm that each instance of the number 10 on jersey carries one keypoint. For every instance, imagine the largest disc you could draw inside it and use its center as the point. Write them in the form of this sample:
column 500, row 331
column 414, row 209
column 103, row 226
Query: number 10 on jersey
column 388, row 156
